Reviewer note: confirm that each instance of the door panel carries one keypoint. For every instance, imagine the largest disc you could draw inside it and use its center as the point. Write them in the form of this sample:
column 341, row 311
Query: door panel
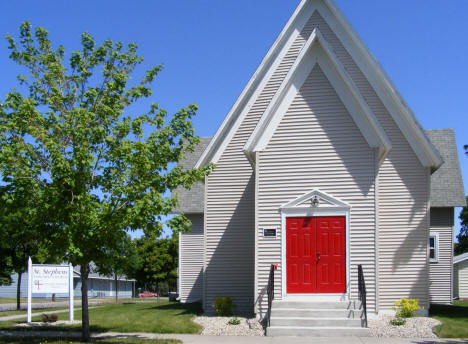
column 332, row 255
column 315, row 255
column 300, row 255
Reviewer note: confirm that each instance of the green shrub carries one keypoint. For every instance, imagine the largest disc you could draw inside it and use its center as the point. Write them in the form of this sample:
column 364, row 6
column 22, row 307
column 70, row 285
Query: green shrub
column 234, row 321
column 398, row 321
column 405, row 308
column 223, row 305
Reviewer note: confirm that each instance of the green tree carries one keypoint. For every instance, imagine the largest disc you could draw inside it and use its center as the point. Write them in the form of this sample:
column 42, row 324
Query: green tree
column 23, row 226
column 159, row 260
column 462, row 245
column 103, row 170
column 120, row 260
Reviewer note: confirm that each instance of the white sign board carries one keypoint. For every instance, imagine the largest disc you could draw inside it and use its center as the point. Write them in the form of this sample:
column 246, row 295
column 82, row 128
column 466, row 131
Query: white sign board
column 50, row 279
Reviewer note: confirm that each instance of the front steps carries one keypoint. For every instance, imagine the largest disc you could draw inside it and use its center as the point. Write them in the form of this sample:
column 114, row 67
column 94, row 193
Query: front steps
column 317, row 319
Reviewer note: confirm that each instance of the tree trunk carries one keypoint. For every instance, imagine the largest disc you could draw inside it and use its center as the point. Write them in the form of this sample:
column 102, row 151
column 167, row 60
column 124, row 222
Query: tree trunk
column 18, row 292
column 85, row 335
column 157, row 289
column 116, row 288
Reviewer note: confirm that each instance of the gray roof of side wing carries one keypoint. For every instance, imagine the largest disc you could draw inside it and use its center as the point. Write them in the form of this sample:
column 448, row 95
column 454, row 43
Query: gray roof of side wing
column 192, row 201
column 460, row 258
column 93, row 274
column 446, row 183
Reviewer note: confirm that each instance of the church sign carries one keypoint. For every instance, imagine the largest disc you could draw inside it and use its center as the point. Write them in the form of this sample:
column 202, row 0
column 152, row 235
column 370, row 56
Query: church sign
column 50, row 279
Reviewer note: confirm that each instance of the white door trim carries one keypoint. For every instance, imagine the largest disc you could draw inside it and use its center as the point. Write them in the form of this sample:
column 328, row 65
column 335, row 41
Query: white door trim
column 339, row 209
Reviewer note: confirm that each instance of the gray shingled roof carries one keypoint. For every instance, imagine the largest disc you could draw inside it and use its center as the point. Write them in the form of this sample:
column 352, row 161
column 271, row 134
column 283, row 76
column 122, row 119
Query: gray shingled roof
column 93, row 274
column 446, row 183
column 192, row 201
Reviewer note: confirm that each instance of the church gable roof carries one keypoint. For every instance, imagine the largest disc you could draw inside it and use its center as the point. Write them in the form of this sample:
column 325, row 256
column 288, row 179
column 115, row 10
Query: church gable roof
column 379, row 81
column 317, row 52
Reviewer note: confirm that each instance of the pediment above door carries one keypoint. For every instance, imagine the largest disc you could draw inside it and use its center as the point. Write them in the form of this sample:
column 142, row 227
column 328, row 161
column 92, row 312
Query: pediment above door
column 316, row 200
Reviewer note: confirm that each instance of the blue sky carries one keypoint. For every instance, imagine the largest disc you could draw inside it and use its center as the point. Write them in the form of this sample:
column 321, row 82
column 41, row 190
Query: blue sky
column 210, row 48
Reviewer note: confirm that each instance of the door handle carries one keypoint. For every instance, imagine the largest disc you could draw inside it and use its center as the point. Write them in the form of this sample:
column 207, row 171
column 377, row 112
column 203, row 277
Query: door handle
column 318, row 257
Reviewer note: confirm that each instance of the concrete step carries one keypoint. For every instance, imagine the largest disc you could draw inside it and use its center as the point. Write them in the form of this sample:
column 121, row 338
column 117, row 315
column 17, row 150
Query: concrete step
column 318, row 331
column 316, row 304
column 315, row 322
column 315, row 313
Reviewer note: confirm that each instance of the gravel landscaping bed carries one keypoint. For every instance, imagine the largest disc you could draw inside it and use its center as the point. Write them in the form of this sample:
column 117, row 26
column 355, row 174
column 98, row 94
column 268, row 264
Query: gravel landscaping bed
column 419, row 327
column 218, row 326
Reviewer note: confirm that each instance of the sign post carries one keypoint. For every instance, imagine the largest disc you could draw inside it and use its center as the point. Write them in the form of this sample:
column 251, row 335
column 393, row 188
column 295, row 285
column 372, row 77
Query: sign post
column 50, row 279
column 29, row 288
column 71, row 300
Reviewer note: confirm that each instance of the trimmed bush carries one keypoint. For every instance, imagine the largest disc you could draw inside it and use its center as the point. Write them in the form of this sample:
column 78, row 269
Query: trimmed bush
column 234, row 321
column 405, row 308
column 223, row 305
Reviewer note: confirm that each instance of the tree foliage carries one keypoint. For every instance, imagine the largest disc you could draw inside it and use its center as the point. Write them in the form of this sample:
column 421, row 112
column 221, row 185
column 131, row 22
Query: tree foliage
column 25, row 230
column 159, row 259
column 102, row 170
column 120, row 260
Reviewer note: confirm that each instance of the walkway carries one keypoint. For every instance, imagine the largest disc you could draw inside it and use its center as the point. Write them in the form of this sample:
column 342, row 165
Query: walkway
column 197, row 339
column 22, row 316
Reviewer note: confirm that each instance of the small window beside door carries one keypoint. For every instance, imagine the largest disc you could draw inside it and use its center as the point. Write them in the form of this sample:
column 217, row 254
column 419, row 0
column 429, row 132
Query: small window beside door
column 434, row 248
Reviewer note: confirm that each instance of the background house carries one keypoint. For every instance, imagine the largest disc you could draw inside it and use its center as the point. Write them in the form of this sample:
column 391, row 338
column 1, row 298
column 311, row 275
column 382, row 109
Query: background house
column 460, row 276
column 98, row 286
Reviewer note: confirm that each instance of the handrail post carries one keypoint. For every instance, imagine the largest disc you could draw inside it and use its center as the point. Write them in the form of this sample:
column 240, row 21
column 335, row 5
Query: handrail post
column 270, row 291
column 362, row 291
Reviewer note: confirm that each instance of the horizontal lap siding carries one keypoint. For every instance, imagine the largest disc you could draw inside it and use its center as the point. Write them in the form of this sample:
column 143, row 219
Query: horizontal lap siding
column 317, row 146
column 191, row 261
column 230, row 204
column 441, row 272
column 462, row 269
column 403, row 194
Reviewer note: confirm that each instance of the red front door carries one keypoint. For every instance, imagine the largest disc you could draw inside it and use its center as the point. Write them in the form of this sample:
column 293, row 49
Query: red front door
column 315, row 255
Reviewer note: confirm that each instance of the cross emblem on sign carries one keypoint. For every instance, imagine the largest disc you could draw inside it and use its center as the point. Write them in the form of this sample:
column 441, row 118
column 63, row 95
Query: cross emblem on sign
column 38, row 284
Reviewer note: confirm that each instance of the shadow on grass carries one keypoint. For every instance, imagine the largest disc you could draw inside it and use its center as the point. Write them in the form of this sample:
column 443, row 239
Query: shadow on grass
column 185, row 308
column 451, row 311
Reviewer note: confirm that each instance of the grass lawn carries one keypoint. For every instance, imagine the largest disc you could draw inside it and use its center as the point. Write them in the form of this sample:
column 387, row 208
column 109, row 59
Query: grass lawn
column 169, row 317
column 30, row 340
column 454, row 319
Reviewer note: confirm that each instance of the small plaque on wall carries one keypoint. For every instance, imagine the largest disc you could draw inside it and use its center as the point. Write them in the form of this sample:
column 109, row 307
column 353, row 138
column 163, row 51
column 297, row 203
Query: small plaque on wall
column 269, row 232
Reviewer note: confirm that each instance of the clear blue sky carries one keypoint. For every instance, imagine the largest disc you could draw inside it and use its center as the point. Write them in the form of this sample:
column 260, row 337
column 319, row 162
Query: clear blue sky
column 210, row 48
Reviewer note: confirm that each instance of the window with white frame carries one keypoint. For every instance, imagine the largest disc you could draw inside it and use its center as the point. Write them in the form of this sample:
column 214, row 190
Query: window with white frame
column 434, row 247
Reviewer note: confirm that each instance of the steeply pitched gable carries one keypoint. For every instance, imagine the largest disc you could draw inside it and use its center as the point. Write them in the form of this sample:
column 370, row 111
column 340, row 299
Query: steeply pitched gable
column 382, row 85
column 317, row 51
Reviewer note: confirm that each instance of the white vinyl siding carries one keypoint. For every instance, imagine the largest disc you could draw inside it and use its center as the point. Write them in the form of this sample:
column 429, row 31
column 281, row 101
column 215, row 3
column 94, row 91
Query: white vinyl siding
column 403, row 198
column 441, row 270
column 462, row 269
column 191, row 261
column 230, row 204
column 317, row 146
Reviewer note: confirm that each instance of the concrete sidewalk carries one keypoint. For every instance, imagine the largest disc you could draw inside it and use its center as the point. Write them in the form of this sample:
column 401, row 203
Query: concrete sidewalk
column 198, row 339
column 23, row 316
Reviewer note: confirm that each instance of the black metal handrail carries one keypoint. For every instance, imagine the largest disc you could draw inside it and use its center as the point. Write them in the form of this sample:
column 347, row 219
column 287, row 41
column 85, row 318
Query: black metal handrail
column 270, row 291
column 362, row 292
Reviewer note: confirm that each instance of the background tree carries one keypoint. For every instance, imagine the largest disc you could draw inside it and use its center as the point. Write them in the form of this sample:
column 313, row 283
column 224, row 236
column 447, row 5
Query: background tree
column 462, row 245
column 121, row 260
column 23, row 226
column 103, row 170
column 159, row 261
